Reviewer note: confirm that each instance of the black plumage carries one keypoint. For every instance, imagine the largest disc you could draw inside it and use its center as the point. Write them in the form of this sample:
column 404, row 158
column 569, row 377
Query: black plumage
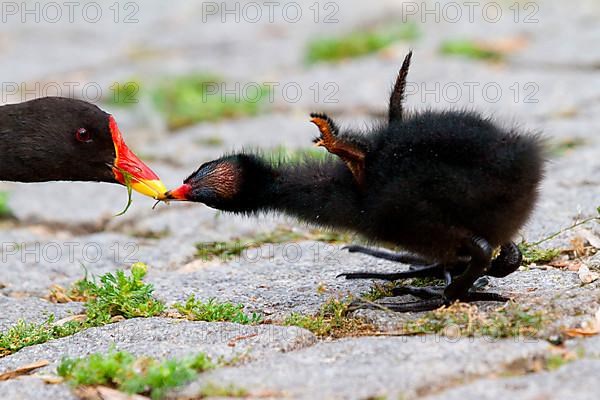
column 448, row 187
column 38, row 141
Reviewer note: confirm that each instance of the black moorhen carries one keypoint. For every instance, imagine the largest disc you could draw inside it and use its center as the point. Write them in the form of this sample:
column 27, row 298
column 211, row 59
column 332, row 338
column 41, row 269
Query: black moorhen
column 448, row 186
column 62, row 139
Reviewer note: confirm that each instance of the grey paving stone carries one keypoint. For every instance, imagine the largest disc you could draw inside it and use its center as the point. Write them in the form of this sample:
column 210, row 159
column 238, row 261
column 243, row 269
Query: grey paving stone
column 367, row 367
column 28, row 388
column 165, row 338
column 274, row 279
column 577, row 380
column 33, row 309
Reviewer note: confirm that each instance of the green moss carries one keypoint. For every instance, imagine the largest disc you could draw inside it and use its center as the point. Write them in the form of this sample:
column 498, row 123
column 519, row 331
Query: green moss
column 150, row 234
column 379, row 291
column 511, row 320
column 358, row 43
column 130, row 374
column 213, row 311
column 331, row 321
column 222, row 250
column 5, row 211
column 534, row 255
column 24, row 334
column 215, row 390
column 189, row 99
column 469, row 49
column 228, row 250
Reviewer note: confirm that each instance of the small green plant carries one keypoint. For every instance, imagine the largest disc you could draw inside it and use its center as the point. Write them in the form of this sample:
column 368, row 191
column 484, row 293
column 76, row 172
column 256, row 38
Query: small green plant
column 379, row 291
column 24, row 334
column 5, row 211
column 358, row 43
column 115, row 295
column 213, row 311
column 331, row 321
column 189, row 99
column 222, row 250
column 127, row 373
column 460, row 319
column 118, row 294
column 470, row 49
column 533, row 254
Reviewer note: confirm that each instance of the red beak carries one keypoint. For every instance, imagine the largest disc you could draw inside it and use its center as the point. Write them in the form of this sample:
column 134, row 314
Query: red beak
column 181, row 193
column 142, row 178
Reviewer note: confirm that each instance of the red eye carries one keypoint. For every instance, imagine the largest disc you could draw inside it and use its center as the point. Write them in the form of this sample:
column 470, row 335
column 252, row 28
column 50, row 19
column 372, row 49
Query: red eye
column 83, row 135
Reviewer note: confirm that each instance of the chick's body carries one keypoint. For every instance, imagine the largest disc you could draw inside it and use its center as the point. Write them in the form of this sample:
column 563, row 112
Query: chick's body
column 434, row 178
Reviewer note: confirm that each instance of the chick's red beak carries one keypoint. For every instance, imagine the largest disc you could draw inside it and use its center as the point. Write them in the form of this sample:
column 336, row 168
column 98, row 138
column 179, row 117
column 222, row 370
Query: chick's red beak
column 181, row 193
column 128, row 167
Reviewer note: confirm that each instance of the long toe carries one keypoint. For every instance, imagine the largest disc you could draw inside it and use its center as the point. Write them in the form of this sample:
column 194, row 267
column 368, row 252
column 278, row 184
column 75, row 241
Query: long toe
column 415, row 306
column 405, row 258
column 374, row 275
column 484, row 296
column 420, row 292
column 364, row 305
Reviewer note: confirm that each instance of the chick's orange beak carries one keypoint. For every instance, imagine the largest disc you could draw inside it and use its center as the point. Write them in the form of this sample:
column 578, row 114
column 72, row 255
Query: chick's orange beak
column 181, row 193
column 128, row 167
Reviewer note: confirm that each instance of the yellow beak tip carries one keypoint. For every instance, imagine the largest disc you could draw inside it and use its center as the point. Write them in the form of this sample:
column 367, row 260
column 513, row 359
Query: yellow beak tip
column 151, row 188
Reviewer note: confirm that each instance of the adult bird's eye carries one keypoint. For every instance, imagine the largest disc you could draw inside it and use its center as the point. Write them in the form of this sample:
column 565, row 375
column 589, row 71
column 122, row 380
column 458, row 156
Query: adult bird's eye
column 83, row 135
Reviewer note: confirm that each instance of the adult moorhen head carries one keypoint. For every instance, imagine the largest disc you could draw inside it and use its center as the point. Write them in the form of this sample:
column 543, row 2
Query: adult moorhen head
column 62, row 139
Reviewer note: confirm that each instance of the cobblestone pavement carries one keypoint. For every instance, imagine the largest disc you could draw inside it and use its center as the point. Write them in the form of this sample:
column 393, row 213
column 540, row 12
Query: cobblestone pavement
column 549, row 82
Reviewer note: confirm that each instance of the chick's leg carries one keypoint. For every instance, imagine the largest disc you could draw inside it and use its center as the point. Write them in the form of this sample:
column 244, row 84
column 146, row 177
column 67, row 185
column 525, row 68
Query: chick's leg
column 460, row 281
column 481, row 258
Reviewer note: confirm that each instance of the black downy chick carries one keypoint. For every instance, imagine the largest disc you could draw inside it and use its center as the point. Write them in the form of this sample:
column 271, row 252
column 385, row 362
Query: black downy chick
column 448, row 187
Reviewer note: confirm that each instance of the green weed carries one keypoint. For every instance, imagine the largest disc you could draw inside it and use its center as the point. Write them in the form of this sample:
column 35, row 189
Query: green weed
column 213, row 311
column 24, row 334
column 120, row 295
column 115, row 295
column 470, row 49
column 331, row 321
column 189, row 99
column 358, row 43
column 5, row 211
column 129, row 374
